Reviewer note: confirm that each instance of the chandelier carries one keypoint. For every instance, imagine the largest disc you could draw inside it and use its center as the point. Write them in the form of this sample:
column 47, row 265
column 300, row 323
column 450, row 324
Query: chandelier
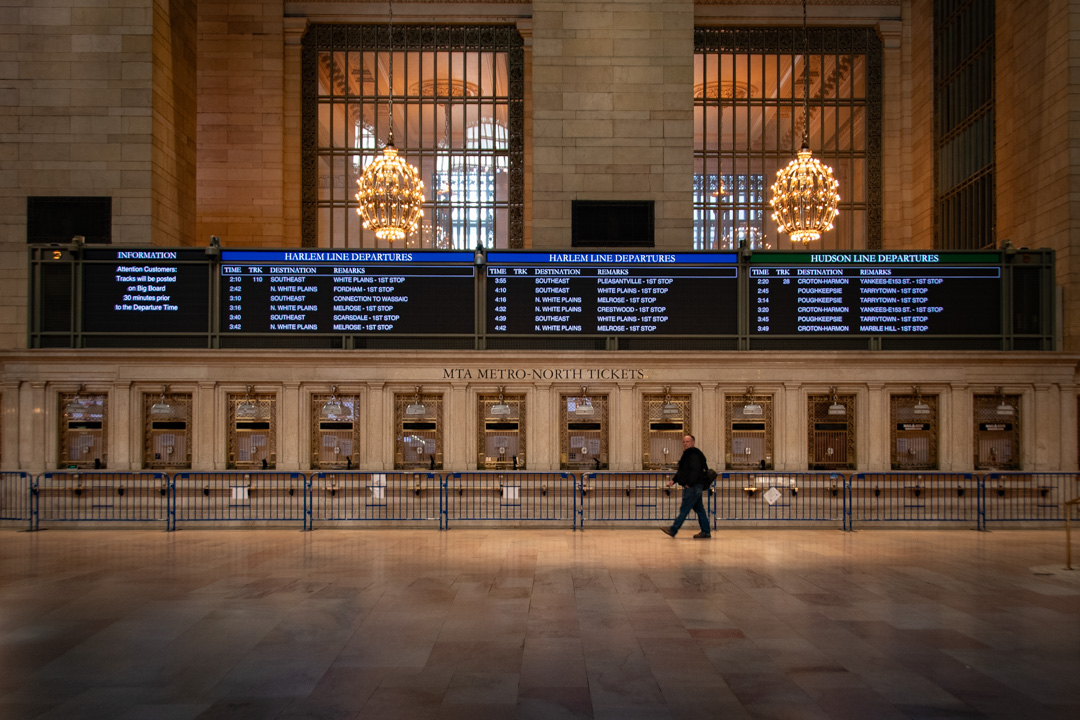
column 391, row 194
column 804, row 196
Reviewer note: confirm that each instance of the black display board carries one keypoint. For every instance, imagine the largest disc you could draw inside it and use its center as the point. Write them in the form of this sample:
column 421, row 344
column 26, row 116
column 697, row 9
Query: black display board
column 347, row 293
column 875, row 294
column 560, row 293
column 145, row 291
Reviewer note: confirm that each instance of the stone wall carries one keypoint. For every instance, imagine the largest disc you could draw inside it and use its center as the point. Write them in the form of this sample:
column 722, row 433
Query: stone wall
column 612, row 114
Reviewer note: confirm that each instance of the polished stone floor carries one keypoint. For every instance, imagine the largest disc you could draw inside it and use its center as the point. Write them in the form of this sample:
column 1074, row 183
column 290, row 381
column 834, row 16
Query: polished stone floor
column 478, row 624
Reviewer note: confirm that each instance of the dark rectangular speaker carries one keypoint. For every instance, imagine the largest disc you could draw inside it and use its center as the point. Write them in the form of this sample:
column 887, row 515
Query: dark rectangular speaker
column 612, row 223
column 58, row 219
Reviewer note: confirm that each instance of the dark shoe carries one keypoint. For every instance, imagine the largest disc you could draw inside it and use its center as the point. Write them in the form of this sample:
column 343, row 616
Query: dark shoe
column 669, row 532
column 703, row 536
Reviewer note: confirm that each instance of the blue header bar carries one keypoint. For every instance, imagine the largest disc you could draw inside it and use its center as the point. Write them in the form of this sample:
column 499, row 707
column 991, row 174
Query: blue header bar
column 345, row 256
column 610, row 258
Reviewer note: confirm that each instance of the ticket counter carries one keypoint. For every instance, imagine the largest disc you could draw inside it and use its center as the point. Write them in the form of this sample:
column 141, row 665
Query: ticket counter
column 666, row 421
column 83, row 430
column 252, row 431
column 583, row 431
column 502, row 432
column 166, row 430
column 997, row 431
column 418, row 438
column 832, row 431
column 748, row 421
column 914, row 427
column 335, row 431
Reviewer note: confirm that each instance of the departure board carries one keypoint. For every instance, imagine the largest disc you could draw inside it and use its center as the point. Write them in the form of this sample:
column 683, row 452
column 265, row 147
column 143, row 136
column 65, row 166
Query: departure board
column 875, row 293
column 145, row 291
column 344, row 292
column 653, row 293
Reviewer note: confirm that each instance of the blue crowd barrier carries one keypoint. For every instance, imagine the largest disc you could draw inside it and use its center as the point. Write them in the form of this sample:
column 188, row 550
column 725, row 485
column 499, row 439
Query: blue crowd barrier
column 641, row 497
column 916, row 497
column 95, row 496
column 354, row 496
column 1028, row 497
column 787, row 497
column 15, row 494
column 524, row 497
column 239, row 497
column 512, row 496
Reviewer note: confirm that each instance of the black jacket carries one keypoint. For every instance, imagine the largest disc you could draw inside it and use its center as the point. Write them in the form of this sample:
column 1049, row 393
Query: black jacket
column 692, row 466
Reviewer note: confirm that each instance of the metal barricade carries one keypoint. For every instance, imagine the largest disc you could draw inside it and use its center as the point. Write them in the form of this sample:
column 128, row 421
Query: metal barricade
column 639, row 497
column 15, row 494
column 1029, row 497
column 517, row 497
column 788, row 497
column 354, row 496
column 915, row 498
column 86, row 496
column 239, row 498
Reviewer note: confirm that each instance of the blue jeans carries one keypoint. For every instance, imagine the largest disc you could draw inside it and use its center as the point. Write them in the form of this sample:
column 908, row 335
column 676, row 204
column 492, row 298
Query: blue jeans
column 692, row 500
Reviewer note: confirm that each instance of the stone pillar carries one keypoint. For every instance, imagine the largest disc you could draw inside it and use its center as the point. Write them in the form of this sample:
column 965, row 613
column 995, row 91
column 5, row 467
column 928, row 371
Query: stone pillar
column 208, row 428
column 9, row 424
column 121, row 427
column 293, row 428
column 294, row 30
column 872, row 451
column 542, row 431
column 625, row 446
column 37, row 441
column 1067, row 430
column 790, row 445
column 378, row 454
column 960, row 451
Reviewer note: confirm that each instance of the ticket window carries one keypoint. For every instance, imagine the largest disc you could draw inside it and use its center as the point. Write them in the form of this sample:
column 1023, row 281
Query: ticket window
column 914, row 422
column 667, row 420
column 252, row 431
column 832, row 432
column 997, row 432
column 335, row 431
column 418, row 438
column 749, row 422
column 502, row 432
column 83, row 430
column 166, row 430
column 583, row 441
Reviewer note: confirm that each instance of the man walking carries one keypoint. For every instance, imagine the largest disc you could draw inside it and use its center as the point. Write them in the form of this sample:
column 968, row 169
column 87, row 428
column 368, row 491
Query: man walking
column 691, row 474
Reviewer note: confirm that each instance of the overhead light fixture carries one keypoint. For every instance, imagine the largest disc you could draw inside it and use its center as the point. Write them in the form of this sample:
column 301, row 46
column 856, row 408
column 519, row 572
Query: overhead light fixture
column 805, row 195
column 333, row 408
column 162, row 409
column 751, row 407
column 248, row 409
column 391, row 194
column 75, row 406
column 416, row 407
column 500, row 408
column 1004, row 409
column 585, row 407
column 836, row 408
column 669, row 409
column 919, row 408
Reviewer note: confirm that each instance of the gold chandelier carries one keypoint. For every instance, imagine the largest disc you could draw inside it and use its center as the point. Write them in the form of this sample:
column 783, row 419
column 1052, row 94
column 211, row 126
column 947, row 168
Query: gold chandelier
column 391, row 194
column 805, row 195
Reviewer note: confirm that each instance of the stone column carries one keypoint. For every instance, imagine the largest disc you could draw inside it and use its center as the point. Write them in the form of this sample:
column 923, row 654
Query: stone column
column 36, row 443
column 293, row 428
column 872, row 451
column 10, row 425
column 378, row 454
column 1045, row 446
column 959, row 453
column 1067, row 428
column 207, row 428
column 790, row 444
column 121, row 427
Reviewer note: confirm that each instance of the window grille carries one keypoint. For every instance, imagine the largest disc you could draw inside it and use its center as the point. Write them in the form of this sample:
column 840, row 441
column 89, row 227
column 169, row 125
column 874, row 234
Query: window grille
column 748, row 123
column 458, row 102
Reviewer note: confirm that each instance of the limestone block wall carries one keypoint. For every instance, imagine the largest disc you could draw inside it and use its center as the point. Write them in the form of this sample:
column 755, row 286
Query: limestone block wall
column 612, row 116
column 1038, row 137
column 175, row 105
column 75, row 119
column 240, row 134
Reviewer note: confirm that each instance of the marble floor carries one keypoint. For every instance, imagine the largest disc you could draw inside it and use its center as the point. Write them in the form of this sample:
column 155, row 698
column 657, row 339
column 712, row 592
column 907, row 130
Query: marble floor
column 483, row 623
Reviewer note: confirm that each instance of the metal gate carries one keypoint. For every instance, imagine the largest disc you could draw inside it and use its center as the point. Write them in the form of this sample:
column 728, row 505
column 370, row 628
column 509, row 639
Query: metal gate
column 997, row 431
column 914, row 431
column 335, row 431
column 831, row 430
column 252, row 431
column 748, row 420
column 418, row 423
column 501, row 432
column 83, row 430
column 583, row 431
column 666, row 419
column 166, row 430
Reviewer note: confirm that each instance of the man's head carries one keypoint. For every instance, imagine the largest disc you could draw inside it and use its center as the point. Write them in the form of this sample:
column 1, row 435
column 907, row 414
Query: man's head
column 687, row 441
